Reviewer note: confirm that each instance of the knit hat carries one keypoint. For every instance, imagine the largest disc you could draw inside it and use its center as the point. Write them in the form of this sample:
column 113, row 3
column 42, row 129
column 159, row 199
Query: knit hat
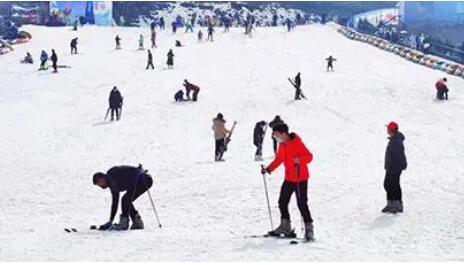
column 282, row 128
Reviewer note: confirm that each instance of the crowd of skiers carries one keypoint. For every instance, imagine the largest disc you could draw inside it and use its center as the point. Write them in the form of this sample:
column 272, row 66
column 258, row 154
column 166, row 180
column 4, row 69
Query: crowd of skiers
column 289, row 150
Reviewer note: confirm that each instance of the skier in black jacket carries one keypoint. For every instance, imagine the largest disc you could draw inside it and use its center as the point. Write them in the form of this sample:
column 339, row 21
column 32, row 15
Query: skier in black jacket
column 115, row 101
column 135, row 181
column 395, row 163
column 170, row 61
column 330, row 61
column 277, row 120
column 74, row 46
column 118, row 42
column 258, row 138
column 54, row 59
column 150, row 60
column 297, row 87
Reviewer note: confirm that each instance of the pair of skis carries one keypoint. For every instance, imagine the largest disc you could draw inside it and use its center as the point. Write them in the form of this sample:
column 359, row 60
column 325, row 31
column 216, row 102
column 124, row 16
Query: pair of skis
column 294, row 240
column 74, row 230
column 227, row 141
column 297, row 88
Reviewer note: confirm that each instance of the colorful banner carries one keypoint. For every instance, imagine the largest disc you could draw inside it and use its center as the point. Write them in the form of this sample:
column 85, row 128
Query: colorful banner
column 94, row 12
column 387, row 16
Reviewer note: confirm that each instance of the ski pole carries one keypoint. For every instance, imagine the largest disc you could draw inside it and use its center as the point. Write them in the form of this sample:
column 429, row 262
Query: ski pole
column 107, row 112
column 154, row 208
column 267, row 199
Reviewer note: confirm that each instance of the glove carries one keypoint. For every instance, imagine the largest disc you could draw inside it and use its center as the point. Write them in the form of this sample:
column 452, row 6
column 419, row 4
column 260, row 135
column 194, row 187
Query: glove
column 105, row 226
column 265, row 170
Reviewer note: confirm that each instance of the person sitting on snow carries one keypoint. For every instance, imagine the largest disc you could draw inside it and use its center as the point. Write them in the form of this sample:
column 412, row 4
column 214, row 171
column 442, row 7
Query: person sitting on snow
column 179, row 96
column 28, row 59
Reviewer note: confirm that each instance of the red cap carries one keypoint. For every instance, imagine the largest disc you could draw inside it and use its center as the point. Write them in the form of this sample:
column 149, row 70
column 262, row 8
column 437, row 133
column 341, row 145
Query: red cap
column 392, row 125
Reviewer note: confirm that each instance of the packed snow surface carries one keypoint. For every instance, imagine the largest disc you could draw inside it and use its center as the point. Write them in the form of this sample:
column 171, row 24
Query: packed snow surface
column 53, row 138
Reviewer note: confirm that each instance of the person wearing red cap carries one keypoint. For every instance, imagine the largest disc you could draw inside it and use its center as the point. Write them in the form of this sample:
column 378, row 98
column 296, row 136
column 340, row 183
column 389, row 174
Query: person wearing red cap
column 296, row 157
column 395, row 163
column 442, row 89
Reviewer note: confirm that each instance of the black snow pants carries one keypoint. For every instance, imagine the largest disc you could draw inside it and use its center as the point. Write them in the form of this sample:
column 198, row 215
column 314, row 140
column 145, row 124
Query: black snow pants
column 150, row 64
column 298, row 94
column 301, row 190
column 132, row 194
column 392, row 185
column 259, row 149
column 330, row 66
column 219, row 146
column 195, row 95
column 114, row 110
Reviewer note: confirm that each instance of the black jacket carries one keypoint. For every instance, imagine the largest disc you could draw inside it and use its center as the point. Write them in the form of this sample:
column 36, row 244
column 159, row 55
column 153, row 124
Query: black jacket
column 122, row 178
column 298, row 81
column 54, row 57
column 74, row 42
column 395, row 159
column 170, row 58
column 258, row 133
column 115, row 99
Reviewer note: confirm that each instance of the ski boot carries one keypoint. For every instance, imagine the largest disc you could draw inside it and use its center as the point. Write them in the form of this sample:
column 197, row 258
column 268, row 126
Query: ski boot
column 388, row 208
column 284, row 230
column 137, row 223
column 122, row 225
column 397, row 207
column 309, row 231
column 258, row 158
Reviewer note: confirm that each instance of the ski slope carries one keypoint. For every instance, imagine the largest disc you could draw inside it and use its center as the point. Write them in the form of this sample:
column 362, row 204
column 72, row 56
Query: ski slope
column 53, row 139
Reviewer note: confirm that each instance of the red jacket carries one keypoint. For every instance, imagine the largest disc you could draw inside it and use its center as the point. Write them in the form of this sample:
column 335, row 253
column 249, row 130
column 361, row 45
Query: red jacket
column 286, row 153
column 440, row 84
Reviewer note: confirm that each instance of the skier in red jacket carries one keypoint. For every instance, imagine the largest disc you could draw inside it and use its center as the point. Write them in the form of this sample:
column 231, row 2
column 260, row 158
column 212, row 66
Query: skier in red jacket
column 296, row 157
column 442, row 89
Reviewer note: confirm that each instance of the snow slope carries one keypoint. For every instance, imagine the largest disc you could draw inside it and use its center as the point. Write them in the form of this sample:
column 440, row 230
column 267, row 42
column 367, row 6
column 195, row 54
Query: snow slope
column 53, row 139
